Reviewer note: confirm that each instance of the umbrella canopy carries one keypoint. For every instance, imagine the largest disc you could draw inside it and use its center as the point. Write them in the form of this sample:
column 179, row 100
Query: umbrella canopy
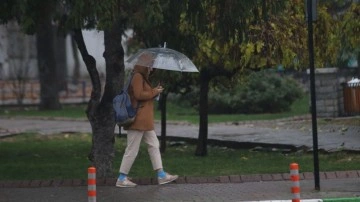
column 162, row 58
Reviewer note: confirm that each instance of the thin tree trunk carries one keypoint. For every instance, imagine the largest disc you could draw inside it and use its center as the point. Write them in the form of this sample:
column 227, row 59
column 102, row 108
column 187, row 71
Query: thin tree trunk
column 94, row 101
column 60, row 58
column 76, row 71
column 49, row 97
column 201, row 149
column 162, row 103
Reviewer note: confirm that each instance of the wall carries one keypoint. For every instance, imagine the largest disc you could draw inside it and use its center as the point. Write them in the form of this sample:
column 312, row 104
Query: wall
column 329, row 90
column 17, row 53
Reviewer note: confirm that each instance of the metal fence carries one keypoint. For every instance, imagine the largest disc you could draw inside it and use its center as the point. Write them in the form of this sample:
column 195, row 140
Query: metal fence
column 29, row 92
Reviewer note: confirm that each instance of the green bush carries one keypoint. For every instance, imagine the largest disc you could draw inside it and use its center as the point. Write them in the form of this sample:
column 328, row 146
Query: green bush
column 261, row 92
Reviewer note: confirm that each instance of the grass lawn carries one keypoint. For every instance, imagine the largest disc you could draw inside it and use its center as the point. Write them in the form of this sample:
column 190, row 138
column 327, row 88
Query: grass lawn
column 174, row 113
column 64, row 156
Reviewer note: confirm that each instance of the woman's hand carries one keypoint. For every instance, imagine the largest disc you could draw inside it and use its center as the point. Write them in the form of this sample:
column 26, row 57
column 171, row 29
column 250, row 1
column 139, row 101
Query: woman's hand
column 159, row 89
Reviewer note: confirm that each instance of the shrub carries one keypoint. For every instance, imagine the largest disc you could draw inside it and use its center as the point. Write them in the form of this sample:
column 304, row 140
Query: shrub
column 261, row 92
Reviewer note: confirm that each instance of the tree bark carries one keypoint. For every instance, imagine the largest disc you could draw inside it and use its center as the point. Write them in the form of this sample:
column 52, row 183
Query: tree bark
column 49, row 97
column 201, row 149
column 206, row 74
column 76, row 71
column 104, row 137
column 100, row 112
column 92, row 108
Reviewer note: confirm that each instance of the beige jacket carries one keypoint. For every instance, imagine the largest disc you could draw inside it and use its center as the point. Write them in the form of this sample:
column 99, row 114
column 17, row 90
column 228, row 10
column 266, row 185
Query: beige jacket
column 140, row 90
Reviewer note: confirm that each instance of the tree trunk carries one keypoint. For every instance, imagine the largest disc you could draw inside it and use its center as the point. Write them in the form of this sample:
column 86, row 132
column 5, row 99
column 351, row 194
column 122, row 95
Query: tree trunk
column 100, row 113
column 162, row 103
column 76, row 71
column 60, row 58
column 201, row 149
column 92, row 108
column 104, row 138
column 49, row 97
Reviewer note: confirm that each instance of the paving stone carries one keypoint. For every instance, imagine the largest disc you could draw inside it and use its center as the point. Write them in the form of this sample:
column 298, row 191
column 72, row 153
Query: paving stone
column 46, row 183
column 203, row 179
column 266, row 177
column 7, row 183
column 353, row 174
column 347, row 174
column 330, row 175
column 25, row 184
column 67, row 182
column 250, row 178
column 225, row 179
column 56, row 183
column 213, row 179
column 235, row 178
column 180, row 180
column 284, row 176
column 145, row 181
column 308, row 175
column 78, row 182
column 35, row 183
column 110, row 181
column 196, row 180
column 100, row 182
column 322, row 175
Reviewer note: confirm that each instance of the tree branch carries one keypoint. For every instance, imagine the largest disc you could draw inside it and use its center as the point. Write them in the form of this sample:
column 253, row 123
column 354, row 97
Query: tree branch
column 90, row 63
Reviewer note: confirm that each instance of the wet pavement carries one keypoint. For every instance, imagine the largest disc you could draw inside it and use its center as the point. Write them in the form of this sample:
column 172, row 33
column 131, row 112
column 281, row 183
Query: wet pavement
column 286, row 132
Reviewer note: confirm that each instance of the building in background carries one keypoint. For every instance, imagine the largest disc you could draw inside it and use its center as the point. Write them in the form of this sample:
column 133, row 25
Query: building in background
column 18, row 52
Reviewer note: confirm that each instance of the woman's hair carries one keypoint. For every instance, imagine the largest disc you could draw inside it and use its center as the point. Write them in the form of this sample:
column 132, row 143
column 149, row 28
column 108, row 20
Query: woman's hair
column 144, row 62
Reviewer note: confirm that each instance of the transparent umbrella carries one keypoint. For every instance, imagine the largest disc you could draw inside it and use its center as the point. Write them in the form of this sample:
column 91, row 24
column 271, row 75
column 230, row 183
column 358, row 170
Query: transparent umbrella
column 162, row 58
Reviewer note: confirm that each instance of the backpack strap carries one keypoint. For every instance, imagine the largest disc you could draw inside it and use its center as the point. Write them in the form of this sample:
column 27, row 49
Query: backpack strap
column 126, row 88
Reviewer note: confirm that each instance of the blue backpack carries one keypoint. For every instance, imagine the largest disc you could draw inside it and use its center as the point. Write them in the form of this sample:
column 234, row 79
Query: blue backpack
column 124, row 111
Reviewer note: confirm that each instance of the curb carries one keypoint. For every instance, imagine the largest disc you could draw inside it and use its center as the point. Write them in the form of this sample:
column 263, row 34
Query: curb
column 341, row 199
column 315, row 200
column 180, row 180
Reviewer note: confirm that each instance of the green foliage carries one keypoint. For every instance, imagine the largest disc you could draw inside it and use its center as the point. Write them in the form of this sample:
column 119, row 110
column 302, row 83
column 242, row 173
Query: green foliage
column 326, row 40
column 275, row 37
column 27, row 13
column 266, row 92
column 261, row 92
column 349, row 33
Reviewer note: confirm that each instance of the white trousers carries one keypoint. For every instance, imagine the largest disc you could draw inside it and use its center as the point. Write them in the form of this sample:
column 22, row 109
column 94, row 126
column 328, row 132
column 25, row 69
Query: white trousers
column 134, row 138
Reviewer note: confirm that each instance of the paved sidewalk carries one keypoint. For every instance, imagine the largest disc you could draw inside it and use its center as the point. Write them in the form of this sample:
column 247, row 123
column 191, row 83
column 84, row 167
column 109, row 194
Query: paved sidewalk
column 216, row 192
column 287, row 132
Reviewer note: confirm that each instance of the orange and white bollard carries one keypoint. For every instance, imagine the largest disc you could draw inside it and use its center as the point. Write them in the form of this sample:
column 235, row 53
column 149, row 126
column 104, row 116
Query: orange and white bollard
column 91, row 184
column 295, row 178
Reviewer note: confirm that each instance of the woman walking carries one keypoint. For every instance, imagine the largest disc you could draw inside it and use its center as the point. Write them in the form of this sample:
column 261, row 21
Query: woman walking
column 142, row 128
